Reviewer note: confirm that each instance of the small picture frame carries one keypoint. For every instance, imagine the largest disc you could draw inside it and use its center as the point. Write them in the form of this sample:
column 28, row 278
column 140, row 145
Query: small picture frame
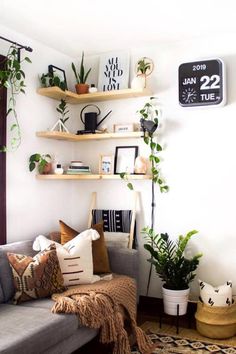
column 113, row 71
column 125, row 159
column 106, row 164
column 123, row 128
column 57, row 72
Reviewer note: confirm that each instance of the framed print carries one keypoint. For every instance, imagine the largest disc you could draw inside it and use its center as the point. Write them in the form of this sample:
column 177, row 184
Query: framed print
column 125, row 159
column 106, row 164
column 113, row 71
column 123, row 128
column 57, row 72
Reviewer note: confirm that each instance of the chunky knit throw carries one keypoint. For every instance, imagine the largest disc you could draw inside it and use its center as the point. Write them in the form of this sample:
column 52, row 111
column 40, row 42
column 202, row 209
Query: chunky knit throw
column 99, row 305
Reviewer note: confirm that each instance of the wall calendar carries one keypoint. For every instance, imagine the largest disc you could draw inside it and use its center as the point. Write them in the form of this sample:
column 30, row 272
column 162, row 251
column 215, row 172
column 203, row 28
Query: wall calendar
column 202, row 83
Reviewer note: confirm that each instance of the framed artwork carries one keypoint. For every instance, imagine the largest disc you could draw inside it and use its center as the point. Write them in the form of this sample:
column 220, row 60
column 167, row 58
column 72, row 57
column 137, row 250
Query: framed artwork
column 113, row 71
column 106, row 164
column 125, row 159
column 57, row 72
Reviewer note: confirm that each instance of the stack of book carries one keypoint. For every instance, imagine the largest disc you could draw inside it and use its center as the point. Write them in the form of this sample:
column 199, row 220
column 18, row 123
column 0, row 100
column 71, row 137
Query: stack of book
column 78, row 168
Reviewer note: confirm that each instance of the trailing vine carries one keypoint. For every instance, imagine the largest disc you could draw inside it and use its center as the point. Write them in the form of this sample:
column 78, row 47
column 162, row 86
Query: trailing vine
column 150, row 114
column 12, row 77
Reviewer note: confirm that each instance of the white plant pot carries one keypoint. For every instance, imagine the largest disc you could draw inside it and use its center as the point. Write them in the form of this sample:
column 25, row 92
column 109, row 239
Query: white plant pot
column 138, row 82
column 172, row 298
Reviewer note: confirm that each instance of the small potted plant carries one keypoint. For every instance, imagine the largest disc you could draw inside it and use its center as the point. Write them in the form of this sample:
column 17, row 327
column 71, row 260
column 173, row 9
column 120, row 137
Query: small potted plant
column 174, row 269
column 81, row 77
column 43, row 162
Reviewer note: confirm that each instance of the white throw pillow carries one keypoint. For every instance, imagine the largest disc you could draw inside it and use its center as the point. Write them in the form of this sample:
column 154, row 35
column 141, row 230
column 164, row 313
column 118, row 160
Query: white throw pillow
column 75, row 257
column 116, row 239
column 216, row 296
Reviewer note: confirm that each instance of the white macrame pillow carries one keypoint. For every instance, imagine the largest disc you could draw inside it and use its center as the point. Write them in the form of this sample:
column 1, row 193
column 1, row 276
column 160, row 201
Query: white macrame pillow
column 75, row 257
column 216, row 296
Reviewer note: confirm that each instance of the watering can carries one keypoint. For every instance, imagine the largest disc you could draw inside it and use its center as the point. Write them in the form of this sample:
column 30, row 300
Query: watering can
column 90, row 119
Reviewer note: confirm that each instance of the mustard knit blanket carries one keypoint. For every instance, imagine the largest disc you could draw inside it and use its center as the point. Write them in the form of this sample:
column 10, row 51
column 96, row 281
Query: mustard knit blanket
column 98, row 306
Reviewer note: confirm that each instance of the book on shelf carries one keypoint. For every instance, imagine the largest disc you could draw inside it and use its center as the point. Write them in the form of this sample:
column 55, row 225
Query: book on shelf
column 73, row 172
column 79, row 167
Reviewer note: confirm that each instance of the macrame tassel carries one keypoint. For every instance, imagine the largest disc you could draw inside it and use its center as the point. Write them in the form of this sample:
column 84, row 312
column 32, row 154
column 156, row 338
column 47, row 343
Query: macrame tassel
column 145, row 344
column 122, row 342
column 64, row 305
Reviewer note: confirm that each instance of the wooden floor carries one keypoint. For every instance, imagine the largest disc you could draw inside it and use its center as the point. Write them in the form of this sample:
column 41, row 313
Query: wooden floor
column 149, row 309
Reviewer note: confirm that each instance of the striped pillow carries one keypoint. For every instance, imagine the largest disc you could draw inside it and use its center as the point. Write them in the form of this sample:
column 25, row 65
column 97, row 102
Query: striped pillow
column 75, row 257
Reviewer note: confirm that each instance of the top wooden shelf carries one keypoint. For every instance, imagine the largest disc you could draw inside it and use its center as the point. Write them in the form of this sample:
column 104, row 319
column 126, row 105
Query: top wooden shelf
column 71, row 97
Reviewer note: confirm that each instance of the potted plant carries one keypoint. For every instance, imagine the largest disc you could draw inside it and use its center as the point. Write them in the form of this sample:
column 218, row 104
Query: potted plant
column 63, row 110
column 174, row 269
column 43, row 162
column 49, row 80
column 81, row 77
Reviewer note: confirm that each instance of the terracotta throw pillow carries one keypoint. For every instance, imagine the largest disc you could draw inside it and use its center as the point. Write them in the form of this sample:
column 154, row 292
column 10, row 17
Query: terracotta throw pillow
column 99, row 249
column 36, row 277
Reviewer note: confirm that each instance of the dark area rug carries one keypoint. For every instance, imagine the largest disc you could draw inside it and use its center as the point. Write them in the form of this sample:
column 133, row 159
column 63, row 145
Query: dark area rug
column 168, row 344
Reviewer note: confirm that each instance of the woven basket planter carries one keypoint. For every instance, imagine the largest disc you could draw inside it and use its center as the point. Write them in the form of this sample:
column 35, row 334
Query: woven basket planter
column 216, row 321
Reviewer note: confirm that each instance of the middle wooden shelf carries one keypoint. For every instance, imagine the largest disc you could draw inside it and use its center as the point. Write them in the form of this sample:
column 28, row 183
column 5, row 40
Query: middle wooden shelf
column 98, row 136
column 91, row 176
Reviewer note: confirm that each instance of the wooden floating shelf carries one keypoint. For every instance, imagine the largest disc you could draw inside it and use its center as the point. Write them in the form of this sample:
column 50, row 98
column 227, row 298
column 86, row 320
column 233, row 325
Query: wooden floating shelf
column 71, row 97
column 92, row 176
column 98, row 136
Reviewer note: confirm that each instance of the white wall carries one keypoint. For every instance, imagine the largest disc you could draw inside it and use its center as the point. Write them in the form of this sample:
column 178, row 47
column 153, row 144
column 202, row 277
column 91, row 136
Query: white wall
column 198, row 161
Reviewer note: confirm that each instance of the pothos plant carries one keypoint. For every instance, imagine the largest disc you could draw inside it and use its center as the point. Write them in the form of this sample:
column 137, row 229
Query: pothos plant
column 149, row 118
column 12, row 77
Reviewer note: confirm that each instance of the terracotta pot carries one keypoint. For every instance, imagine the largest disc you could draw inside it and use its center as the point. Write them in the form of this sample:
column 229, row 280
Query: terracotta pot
column 47, row 169
column 81, row 88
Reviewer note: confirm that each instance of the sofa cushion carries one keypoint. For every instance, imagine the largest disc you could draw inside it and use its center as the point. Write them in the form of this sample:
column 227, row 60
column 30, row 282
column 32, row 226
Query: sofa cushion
column 36, row 277
column 99, row 250
column 25, row 330
column 7, row 289
column 75, row 257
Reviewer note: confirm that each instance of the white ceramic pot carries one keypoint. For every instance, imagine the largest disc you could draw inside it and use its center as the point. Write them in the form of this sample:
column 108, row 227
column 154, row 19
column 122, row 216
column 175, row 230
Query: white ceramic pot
column 172, row 298
column 138, row 82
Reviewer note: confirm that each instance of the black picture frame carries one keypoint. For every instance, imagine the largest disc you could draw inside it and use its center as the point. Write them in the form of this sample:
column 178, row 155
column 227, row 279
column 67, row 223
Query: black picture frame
column 55, row 71
column 125, row 159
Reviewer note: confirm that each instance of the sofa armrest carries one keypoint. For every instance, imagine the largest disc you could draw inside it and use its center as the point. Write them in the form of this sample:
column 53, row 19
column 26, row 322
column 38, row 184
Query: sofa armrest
column 124, row 261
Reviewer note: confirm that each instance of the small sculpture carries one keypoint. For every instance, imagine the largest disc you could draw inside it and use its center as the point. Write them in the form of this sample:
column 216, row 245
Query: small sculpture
column 140, row 166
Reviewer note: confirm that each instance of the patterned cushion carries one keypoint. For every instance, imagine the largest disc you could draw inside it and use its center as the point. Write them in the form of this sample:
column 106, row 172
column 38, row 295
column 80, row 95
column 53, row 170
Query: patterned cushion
column 216, row 296
column 75, row 257
column 99, row 250
column 36, row 277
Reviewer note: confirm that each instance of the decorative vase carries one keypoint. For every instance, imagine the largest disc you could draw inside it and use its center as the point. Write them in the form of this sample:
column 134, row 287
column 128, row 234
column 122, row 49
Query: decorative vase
column 82, row 88
column 139, row 82
column 173, row 298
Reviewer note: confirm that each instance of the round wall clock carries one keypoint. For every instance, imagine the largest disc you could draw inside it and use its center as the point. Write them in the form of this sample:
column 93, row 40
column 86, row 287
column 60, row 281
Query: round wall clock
column 202, row 83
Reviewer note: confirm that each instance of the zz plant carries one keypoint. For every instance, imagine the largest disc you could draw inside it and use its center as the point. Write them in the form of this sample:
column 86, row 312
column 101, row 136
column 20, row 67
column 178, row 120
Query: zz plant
column 12, row 77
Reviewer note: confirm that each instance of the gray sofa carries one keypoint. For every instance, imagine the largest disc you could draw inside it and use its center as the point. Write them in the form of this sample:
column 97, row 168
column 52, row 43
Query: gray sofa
column 31, row 328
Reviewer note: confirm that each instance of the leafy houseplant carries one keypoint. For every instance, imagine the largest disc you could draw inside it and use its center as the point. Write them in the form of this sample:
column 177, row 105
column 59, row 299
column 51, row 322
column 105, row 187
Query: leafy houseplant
column 63, row 110
column 12, row 77
column 169, row 260
column 174, row 269
column 81, row 77
column 143, row 66
column 49, row 80
column 43, row 162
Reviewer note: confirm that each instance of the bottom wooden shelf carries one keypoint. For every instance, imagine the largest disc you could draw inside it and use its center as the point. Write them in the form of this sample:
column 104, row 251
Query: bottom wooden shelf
column 92, row 176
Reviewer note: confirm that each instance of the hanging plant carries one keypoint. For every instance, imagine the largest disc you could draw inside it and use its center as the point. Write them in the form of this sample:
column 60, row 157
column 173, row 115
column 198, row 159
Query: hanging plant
column 12, row 77
column 150, row 114
column 149, row 119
